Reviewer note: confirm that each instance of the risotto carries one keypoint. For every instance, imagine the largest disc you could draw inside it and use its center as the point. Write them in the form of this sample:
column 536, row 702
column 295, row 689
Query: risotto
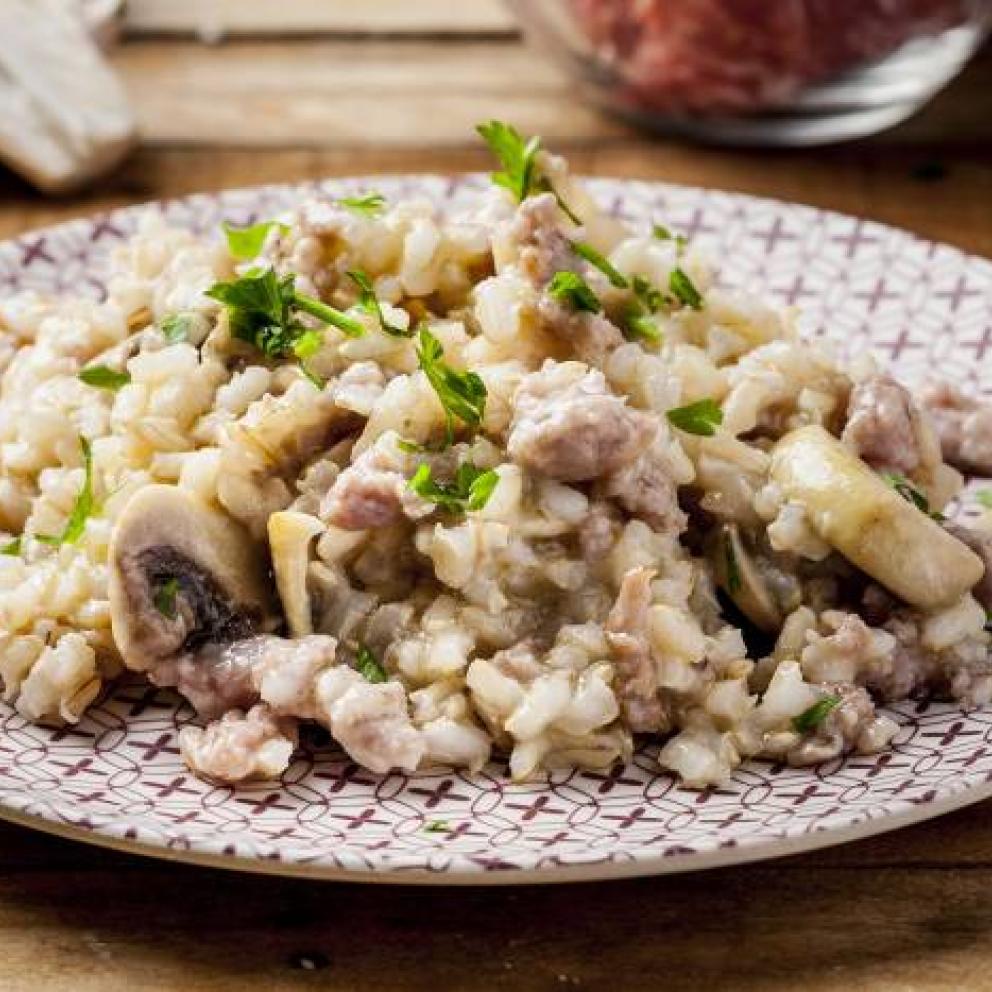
column 521, row 481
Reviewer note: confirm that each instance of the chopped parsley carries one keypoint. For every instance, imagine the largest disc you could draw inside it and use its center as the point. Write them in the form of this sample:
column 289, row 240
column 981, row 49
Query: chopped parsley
column 520, row 174
column 571, row 289
column 262, row 310
column 368, row 666
column 104, row 377
column 437, row 827
column 175, row 327
column 684, row 291
column 601, row 262
column 368, row 301
column 165, row 597
column 638, row 320
column 662, row 233
column 811, row 718
column 911, row 494
column 369, row 205
column 984, row 498
column 734, row 583
column 81, row 509
column 12, row 548
column 700, row 418
column 462, row 394
column 470, row 490
column 246, row 242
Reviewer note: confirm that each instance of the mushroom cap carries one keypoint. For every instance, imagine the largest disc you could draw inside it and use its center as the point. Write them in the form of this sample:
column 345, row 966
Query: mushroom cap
column 183, row 575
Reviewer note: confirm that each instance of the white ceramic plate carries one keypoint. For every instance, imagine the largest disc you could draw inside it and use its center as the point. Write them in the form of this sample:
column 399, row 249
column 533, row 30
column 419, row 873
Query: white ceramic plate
column 117, row 778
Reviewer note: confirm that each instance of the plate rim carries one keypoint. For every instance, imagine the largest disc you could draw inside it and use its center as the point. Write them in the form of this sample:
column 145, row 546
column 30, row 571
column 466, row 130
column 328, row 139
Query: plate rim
column 957, row 795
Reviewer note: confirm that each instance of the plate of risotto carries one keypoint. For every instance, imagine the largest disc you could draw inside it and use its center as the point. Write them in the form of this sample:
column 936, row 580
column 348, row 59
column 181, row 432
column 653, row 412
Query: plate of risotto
column 490, row 529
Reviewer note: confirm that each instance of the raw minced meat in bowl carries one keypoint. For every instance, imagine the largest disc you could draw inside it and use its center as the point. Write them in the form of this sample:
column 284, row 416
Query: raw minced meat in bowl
column 519, row 479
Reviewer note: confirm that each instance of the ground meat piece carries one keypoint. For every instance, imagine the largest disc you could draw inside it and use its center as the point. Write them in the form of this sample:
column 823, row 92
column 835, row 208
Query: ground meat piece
column 569, row 426
column 964, row 426
column 369, row 720
column 853, row 724
column 646, row 489
column 537, row 241
column 886, row 428
column 849, row 651
column 284, row 672
column 597, row 533
column 590, row 335
column 240, row 746
column 637, row 678
column 373, row 491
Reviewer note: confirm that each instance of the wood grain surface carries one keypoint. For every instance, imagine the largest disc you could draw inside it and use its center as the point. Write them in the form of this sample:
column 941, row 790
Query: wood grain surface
column 905, row 912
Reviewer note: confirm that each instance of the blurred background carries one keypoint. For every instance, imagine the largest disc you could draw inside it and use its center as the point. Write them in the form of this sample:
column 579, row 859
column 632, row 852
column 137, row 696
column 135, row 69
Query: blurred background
column 736, row 94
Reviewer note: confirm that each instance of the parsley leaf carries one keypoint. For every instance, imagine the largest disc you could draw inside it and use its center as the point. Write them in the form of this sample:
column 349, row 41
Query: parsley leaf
column 12, row 548
column 368, row 666
column 984, row 497
column 104, row 377
column 470, row 490
column 261, row 307
column 368, row 301
column 601, row 262
column 370, row 205
column 641, row 326
column 81, row 509
column 811, row 718
column 700, row 418
column 572, row 289
column 246, row 242
column 661, row 233
column 462, row 394
column 437, row 827
column 684, row 291
column 175, row 327
column 911, row 494
column 165, row 597
column 308, row 344
column 520, row 174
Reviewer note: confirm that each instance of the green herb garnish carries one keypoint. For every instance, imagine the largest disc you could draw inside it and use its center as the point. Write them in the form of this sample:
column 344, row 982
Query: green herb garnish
column 684, row 291
column 246, row 242
column 262, row 310
column 600, row 262
column 700, row 418
column 370, row 205
column 638, row 320
column 368, row 301
column 81, row 509
column 12, row 548
column 911, row 494
column 811, row 718
column 437, row 827
column 520, row 174
column 165, row 598
column 104, row 377
column 368, row 666
column 175, row 327
column 662, row 233
column 462, row 394
column 470, row 490
column 571, row 289
column 734, row 583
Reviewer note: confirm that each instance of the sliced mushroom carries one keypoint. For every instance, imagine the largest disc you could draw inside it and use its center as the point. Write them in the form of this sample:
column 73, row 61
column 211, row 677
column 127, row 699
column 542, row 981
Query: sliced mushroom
column 854, row 511
column 755, row 590
column 290, row 535
column 186, row 582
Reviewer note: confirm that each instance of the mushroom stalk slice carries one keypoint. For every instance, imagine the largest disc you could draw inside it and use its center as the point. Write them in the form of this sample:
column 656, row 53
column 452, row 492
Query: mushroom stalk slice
column 738, row 575
column 290, row 534
column 854, row 511
column 182, row 576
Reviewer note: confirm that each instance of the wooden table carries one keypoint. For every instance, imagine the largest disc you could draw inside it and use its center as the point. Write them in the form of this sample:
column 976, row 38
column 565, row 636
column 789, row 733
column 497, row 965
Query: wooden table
column 907, row 911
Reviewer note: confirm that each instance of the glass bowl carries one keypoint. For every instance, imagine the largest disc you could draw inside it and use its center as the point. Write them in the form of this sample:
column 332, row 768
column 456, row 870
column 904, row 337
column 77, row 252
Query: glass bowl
column 771, row 72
